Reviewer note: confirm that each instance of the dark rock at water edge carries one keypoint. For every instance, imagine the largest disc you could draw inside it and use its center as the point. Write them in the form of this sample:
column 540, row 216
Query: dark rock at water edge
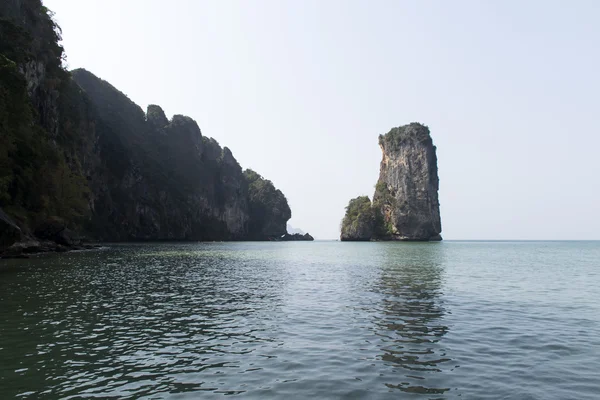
column 290, row 237
column 52, row 235
column 405, row 204
column 32, row 246
column 290, row 229
column 10, row 233
column 55, row 230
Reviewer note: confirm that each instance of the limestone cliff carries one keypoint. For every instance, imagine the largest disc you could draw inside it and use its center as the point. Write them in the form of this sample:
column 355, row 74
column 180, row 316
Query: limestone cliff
column 406, row 194
column 75, row 149
column 268, row 208
column 159, row 179
column 359, row 222
column 405, row 203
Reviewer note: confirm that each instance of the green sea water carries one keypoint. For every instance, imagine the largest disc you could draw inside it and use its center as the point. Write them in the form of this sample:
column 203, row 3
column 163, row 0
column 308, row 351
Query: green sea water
column 470, row 320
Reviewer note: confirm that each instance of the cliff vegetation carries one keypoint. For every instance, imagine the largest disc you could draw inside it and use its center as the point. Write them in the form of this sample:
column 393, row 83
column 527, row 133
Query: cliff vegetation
column 405, row 203
column 359, row 222
column 77, row 153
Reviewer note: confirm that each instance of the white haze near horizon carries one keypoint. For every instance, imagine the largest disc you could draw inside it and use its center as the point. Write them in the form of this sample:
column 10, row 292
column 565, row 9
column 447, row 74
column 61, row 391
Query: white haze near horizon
column 300, row 90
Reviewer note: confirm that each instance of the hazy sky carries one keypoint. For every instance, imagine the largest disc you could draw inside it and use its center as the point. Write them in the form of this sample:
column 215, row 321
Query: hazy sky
column 300, row 90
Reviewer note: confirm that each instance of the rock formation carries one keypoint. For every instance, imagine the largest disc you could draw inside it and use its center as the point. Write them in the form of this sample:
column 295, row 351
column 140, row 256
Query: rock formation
column 359, row 221
column 269, row 210
column 293, row 237
column 75, row 149
column 292, row 230
column 9, row 231
column 407, row 191
column 405, row 204
column 163, row 180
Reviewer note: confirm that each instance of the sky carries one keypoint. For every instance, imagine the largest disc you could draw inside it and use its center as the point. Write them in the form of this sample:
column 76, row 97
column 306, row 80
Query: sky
column 300, row 91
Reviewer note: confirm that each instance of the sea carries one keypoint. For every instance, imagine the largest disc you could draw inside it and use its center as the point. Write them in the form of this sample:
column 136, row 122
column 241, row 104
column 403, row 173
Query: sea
column 318, row 320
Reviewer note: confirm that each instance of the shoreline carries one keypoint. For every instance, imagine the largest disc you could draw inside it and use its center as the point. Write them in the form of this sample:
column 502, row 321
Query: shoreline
column 28, row 249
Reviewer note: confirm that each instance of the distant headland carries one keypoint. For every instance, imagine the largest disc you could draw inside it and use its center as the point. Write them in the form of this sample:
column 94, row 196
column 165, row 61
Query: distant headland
column 79, row 161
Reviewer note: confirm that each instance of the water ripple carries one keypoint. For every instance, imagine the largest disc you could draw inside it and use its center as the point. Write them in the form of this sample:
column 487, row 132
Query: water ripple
column 324, row 320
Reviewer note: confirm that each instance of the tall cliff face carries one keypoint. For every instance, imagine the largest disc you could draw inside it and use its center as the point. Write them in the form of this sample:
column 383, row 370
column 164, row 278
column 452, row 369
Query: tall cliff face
column 75, row 148
column 405, row 203
column 268, row 208
column 160, row 179
column 40, row 172
column 406, row 193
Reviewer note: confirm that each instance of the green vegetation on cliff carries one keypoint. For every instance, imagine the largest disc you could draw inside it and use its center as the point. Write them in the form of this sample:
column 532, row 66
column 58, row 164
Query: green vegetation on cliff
column 168, row 181
column 74, row 148
column 358, row 208
column 396, row 137
column 36, row 180
column 405, row 203
column 269, row 210
column 359, row 221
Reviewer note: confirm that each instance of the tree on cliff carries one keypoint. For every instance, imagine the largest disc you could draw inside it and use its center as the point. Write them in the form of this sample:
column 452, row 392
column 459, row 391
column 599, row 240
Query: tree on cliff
column 405, row 203
column 36, row 180
column 359, row 221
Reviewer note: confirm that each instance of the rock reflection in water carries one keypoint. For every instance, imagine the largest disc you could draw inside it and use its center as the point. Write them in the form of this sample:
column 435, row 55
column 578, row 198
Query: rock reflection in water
column 410, row 324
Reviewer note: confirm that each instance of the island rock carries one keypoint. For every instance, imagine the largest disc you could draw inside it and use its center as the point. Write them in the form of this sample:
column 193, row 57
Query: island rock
column 291, row 237
column 405, row 204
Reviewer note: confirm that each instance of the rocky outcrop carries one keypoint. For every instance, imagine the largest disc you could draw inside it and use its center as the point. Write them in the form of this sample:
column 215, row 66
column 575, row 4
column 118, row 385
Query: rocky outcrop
column 51, row 236
column 406, row 194
column 172, row 182
column 405, row 204
column 269, row 210
column 156, row 117
column 55, row 230
column 292, row 237
column 359, row 222
column 293, row 230
column 32, row 246
column 75, row 149
column 10, row 233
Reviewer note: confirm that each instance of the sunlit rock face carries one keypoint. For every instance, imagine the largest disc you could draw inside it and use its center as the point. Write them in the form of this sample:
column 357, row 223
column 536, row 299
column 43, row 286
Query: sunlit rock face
column 406, row 194
column 405, row 204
